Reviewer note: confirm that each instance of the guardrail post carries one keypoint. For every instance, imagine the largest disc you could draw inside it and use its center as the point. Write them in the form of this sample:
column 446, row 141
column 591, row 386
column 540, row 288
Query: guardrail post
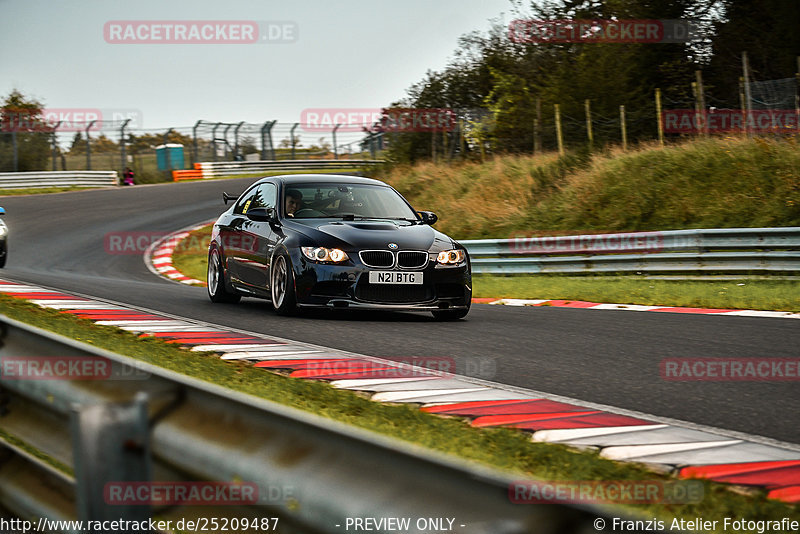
column 111, row 444
column 291, row 137
column 89, row 147
column 54, row 142
column 123, row 159
column 236, row 141
column 335, row 148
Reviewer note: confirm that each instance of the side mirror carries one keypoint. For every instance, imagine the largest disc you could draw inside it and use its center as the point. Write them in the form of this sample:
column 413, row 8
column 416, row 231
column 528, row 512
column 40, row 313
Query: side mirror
column 2, row 211
column 227, row 196
column 262, row 214
column 428, row 217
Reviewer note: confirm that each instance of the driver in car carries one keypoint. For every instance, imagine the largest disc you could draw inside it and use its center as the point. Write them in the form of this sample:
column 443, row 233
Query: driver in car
column 293, row 200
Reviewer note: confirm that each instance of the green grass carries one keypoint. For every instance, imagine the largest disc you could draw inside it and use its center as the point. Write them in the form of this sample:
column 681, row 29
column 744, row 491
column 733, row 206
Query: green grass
column 40, row 190
column 750, row 294
column 502, row 448
column 708, row 183
column 191, row 254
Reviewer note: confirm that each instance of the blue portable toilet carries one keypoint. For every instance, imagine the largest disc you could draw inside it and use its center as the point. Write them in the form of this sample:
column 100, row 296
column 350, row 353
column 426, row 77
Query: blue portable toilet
column 169, row 156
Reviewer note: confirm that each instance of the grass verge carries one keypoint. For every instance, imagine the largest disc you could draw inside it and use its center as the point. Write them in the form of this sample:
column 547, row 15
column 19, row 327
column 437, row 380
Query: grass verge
column 42, row 190
column 502, row 448
column 707, row 183
column 750, row 294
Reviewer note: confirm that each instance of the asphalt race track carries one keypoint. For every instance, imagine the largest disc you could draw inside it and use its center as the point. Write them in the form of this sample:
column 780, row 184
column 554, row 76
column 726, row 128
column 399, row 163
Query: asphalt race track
column 607, row 357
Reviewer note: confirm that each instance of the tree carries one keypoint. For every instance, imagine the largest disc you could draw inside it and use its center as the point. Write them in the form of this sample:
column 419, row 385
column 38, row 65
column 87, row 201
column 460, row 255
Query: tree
column 24, row 132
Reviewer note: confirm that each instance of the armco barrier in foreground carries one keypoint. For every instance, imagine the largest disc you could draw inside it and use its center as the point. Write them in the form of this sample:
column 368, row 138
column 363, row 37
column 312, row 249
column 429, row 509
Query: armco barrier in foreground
column 32, row 180
column 726, row 250
column 310, row 472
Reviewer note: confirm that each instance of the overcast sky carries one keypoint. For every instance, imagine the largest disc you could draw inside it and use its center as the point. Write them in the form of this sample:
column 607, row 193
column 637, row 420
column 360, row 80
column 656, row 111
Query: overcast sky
column 345, row 54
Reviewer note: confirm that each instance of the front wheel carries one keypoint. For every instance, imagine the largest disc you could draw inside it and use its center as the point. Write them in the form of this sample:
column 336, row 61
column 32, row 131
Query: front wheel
column 216, row 281
column 450, row 315
column 284, row 299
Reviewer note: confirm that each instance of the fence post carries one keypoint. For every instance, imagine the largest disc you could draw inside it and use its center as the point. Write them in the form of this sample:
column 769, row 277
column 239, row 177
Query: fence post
column 225, row 137
column 587, row 106
column 537, row 128
column 292, row 139
column 166, row 151
column 623, row 128
column 462, row 143
column 266, row 133
column 15, row 149
column 797, row 96
column 335, row 148
column 111, row 445
column 122, row 146
column 89, row 147
column 747, row 95
column 214, row 140
column 236, row 141
column 54, row 142
column 659, row 119
column 559, row 133
column 194, row 140
column 701, row 102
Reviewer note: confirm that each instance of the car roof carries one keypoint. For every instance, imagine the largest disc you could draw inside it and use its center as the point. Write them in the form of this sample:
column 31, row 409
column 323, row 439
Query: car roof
column 324, row 179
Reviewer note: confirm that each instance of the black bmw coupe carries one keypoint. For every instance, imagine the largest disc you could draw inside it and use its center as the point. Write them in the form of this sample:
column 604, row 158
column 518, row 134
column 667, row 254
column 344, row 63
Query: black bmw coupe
column 339, row 242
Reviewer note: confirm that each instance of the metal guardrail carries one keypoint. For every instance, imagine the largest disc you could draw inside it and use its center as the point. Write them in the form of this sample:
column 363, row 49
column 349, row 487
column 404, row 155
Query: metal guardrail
column 311, row 472
column 228, row 168
column 20, row 180
column 725, row 250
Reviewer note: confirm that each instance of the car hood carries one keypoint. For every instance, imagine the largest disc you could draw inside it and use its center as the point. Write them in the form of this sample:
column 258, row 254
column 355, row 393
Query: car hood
column 371, row 234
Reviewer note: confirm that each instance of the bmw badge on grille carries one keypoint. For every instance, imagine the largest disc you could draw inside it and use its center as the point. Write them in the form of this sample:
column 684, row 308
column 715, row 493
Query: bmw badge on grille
column 393, row 246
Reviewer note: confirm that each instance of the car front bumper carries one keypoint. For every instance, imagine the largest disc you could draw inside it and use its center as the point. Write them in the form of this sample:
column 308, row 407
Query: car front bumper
column 347, row 286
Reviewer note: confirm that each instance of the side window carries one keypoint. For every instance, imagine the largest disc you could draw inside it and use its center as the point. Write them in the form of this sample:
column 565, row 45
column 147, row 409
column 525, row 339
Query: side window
column 266, row 196
column 244, row 203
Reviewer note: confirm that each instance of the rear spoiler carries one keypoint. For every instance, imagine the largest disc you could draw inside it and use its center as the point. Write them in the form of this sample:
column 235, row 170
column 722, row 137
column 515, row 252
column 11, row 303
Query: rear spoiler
column 226, row 197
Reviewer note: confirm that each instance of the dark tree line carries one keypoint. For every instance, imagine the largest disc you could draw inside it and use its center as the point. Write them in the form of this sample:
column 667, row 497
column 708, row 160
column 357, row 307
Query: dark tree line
column 496, row 84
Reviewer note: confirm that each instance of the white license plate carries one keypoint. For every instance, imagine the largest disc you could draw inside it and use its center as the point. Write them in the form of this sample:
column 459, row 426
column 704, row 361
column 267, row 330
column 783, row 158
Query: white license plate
column 394, row 277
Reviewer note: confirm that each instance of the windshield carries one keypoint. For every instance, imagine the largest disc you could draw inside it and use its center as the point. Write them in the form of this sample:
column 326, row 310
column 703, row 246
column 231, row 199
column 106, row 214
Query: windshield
column 357, row 201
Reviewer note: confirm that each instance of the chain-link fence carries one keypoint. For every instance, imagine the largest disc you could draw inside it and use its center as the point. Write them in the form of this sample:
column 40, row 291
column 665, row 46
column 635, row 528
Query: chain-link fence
column 152, row 153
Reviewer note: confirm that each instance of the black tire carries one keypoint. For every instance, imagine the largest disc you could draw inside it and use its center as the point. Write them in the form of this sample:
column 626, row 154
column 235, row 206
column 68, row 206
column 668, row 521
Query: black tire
column 450, row 315
column 216, row 280
column 281, row 286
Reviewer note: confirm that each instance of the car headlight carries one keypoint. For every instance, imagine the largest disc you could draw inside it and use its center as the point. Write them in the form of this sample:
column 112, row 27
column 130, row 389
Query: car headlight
column 323, row 254
column 3, row 230
column 451, row 257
